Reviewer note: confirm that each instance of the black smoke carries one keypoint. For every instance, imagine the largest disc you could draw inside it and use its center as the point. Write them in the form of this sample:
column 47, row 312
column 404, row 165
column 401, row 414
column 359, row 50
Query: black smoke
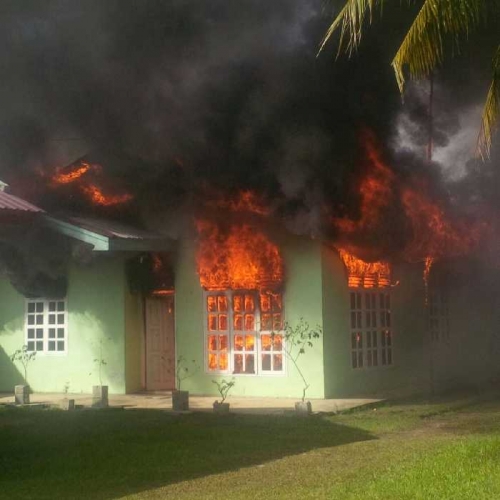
column 174, row 97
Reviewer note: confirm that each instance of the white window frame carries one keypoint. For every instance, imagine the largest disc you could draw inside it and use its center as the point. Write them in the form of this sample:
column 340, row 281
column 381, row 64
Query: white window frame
column 231, row 333
column 362, row 329
column 438, row 316
column 45, row 326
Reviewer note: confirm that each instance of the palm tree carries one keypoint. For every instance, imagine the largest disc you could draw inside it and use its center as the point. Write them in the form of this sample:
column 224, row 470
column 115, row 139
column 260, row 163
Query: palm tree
column 423, row 46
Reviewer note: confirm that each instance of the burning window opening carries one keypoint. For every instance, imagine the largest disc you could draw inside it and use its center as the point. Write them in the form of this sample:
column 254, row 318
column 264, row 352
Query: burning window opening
column 244, row 332
column 240, row 258
column 363, row 274
column 371, row 331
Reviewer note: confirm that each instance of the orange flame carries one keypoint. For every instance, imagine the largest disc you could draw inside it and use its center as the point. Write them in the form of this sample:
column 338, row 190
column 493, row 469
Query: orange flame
column 363, row 274
column 64, row 175
column 241, row 258
column 244, row 201
column 99, row 198
column 375, row 190
column 434, row 233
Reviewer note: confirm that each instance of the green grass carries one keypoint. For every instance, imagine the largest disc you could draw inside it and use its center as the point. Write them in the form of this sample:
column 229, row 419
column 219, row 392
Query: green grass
column 412, row 449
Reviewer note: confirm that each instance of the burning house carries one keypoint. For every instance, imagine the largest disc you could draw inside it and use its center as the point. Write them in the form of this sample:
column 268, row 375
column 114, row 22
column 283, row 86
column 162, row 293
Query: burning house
column 224, row 290
column 232, row 184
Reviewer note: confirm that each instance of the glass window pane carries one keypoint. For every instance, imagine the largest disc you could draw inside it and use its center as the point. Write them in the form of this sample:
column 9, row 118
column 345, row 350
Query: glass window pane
column 249, row 303
column 31, row 320
column 278, row 343
column 60, row 306
column 238, row 363
column 60, row 319
column 212, row 361
column 266, row 362
column 52, row 345
column 39, row 307
column 238, row 322
column 223, row 361
column 31, row 333
column 212, row 342
column 39, row 319
column 266, row 342
column 52, row 333
column 265, row 302
column 266, row 322
column 222, row 322
column 31, row 307
column 249, row 322
column 238, row 342
column 39, row 345
column 237, row 303
column 31, row 346
column 60, row 345
column 212, row 322
column 249, row 363
column 249, row 342
column 277, row 362
column 223, row 342
column 39, row 333
column 222, row 303
column 52, row 306
column 277, row 323
column 277, row 301
column 211, row 303
column 52, row 319
column 60, row 333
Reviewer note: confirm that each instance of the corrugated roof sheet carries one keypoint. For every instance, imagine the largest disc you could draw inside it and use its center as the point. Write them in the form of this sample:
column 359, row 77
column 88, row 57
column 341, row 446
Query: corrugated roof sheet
column 112, row 229
column 11, row 202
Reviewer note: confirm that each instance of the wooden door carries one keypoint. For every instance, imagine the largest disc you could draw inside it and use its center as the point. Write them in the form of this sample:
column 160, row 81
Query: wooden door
column 160, row 344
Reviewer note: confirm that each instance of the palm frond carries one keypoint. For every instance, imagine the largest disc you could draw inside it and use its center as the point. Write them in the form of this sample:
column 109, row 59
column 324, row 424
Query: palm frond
column 491, row 111
column 423, row 46
column 350, row 20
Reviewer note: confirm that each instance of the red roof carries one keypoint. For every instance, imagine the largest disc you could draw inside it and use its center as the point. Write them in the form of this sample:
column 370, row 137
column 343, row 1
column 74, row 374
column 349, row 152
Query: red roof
column 11, row 202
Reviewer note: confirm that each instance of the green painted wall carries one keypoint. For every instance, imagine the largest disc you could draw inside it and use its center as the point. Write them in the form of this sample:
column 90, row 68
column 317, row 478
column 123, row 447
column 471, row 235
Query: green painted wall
column 302, row 299
column 96, row 312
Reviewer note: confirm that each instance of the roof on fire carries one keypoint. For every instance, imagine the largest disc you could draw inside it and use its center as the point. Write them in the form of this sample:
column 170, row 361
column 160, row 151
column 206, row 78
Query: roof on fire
column 105, row 235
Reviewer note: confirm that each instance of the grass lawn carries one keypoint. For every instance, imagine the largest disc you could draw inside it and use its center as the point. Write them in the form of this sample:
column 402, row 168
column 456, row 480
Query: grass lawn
column 443, row 448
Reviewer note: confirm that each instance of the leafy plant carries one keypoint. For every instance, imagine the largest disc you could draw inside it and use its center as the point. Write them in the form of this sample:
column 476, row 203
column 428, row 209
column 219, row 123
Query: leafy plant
column 297, row 339
column 184, row 370
column 423, row 47
column 100, row 361
column 24, row 357
column 224, row 386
